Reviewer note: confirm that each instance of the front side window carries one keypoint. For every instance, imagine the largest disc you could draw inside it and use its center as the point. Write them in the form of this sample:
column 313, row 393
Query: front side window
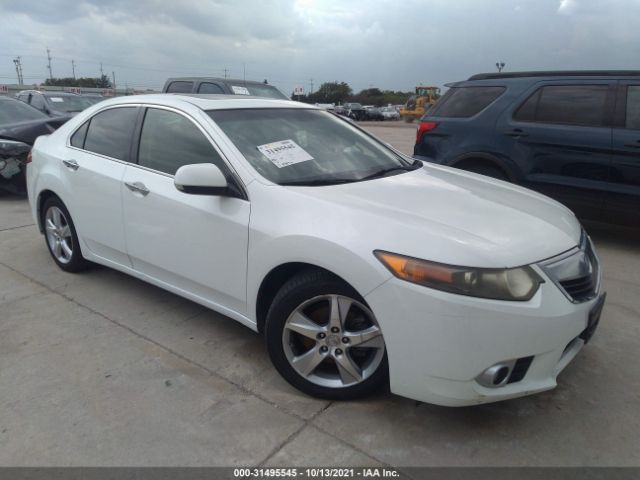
column 169, row 140
column 38, row 102
column 12, row 111
column 464, row 102
column 110, row 132
column 305, row 147
column 583, row 105
column 208, row 87
column 180, row 87
column 633, row 107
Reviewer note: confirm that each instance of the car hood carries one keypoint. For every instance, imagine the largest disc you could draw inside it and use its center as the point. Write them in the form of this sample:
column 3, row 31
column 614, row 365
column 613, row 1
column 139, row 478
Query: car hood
column 27, row 132
column 446, row 215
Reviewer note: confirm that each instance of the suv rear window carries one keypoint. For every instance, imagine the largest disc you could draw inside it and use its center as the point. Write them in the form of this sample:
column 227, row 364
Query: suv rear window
column 462, row 102
column 180, row 87
column 565, row 104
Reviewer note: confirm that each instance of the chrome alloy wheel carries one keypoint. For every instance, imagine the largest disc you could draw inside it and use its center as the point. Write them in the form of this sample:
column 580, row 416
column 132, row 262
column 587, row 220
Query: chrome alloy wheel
column 58, row 234
column 333, row 341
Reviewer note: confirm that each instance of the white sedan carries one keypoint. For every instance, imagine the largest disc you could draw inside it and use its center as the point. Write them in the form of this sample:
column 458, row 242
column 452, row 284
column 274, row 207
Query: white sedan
column 362, row 267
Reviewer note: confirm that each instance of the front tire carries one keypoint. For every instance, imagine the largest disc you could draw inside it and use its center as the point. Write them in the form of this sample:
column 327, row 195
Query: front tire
column 61, row 237
column 324, row 340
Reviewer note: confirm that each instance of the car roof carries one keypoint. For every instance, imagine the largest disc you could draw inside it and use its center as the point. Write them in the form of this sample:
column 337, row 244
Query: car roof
column 557, row 73
column 209, row 102
column 48, row 92
column 217, row 79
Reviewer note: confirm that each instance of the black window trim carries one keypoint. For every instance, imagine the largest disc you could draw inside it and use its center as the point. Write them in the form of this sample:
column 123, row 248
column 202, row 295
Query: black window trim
column 609, row 103
column 88, row 120
column 231, row 173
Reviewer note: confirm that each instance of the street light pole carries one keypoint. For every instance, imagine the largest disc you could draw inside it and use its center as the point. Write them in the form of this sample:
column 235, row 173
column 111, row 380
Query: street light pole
column 499, row 66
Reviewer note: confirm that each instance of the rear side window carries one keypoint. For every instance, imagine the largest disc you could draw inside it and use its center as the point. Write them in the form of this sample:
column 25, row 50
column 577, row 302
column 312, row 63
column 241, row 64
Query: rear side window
column 462, row 102
column 109, row 132
column 207, row 87
column 633, row 107
column 583, row 105
column 169, row 141
column 77, row 139
column 180, row 87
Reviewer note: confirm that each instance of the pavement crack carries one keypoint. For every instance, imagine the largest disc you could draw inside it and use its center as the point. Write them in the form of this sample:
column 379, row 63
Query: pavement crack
column 17, row 227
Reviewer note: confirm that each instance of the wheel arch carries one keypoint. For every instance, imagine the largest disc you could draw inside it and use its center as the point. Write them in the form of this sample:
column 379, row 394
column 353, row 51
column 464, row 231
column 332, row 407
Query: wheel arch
column 487, row 158
column 43, row 196
column 276, row 278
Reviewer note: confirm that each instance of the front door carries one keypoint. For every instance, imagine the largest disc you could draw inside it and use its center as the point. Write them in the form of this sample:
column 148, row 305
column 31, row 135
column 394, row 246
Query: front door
column 562, row 137
column 622, row 202
column 195, row 243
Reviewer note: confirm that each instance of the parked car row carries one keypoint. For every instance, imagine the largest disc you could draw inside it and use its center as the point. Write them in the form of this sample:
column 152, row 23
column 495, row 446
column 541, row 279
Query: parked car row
column 357, row 111
column 574, row 136
column 361, row 266
column 58, row 104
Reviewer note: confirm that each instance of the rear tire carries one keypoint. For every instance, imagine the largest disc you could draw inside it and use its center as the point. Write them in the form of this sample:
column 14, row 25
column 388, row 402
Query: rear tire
column 314, row 332
column 61, row 237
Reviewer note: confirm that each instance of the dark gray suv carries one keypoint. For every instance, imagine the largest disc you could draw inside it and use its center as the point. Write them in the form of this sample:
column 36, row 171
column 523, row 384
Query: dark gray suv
column 574, row 136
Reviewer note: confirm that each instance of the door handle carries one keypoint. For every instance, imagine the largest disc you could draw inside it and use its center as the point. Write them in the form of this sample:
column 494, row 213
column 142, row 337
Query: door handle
column 515, row 133
column 72, row 164
column 633, row 144
column 137, row 187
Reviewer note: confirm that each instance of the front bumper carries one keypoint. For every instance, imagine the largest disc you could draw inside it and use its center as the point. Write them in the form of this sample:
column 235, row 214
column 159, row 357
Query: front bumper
column 438, row 343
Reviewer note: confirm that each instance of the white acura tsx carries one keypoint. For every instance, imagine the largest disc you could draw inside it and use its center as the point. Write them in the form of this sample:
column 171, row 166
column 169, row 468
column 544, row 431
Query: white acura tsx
column 361, row 266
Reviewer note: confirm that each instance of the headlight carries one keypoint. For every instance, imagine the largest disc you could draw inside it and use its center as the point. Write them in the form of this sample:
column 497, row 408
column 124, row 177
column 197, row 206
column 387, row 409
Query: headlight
column 518, row 284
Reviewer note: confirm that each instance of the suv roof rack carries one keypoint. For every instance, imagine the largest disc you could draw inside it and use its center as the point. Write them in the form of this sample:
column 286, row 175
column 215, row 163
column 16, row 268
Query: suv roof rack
column 558, row 73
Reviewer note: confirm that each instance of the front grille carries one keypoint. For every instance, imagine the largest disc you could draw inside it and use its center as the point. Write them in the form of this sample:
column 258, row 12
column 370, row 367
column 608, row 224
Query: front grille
column 576, row 273
column 581, row 288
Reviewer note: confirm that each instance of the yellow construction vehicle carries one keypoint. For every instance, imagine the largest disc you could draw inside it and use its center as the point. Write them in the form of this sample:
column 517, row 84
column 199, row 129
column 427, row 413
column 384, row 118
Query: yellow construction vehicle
column 418, row 103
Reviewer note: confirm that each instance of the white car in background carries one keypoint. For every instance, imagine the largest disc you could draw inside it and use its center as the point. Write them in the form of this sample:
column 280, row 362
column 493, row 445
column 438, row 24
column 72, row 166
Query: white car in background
column 361, row 266
column 390, row 113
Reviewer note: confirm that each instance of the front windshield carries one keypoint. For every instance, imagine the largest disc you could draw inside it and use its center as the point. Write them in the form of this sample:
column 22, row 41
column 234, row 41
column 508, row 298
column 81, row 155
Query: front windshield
column 67, row 103
column 299, row 146
column 15, row 111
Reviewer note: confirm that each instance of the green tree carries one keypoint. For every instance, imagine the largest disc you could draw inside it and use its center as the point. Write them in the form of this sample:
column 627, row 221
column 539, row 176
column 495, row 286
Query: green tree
column 86, row 82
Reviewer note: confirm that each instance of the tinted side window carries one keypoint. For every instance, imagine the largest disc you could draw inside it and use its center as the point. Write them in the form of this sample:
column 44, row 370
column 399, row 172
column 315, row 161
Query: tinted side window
column 207, row 87
column 38, row 102
column 461, row 102
column 169, row 141
column 180, row 87
column 572, row 105
column 633, row 107
column 77, row 139
column 109, row 132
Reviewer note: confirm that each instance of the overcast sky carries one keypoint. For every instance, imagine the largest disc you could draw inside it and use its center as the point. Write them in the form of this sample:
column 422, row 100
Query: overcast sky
column 383, row 43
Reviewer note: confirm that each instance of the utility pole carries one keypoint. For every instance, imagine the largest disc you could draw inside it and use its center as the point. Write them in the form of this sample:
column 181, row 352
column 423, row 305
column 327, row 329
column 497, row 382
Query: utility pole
column 114, row 81
column 18, row 63
column 499, row 66
column 101, row 72
column 73, row 69
column 244, row 72
column 225, row 73
column 310, row 85
column 49, row 64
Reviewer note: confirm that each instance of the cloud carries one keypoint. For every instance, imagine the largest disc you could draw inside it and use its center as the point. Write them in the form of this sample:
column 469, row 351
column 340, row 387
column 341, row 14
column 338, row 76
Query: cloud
column 567, row 7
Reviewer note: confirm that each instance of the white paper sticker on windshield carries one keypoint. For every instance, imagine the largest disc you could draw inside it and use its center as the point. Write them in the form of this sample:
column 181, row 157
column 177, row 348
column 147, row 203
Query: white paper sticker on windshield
column 284, row 153
column 56, row 99
column 240, row 90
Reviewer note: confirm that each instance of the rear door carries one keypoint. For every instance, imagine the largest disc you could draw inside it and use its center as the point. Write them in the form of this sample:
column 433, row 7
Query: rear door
column 195, row 243
column 622, row 202
column 561, row 133
column 93, row 169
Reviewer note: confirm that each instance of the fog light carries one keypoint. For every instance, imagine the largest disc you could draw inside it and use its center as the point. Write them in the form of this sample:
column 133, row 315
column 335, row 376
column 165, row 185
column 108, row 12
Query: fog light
column 496, row 375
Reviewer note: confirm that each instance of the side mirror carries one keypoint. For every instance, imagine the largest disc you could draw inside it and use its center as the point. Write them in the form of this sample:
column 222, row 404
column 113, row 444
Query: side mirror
column 201, row 179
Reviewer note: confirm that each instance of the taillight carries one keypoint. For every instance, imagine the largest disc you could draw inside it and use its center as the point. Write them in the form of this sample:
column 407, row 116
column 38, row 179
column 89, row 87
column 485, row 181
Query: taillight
column 29, row 158
column 423, row 128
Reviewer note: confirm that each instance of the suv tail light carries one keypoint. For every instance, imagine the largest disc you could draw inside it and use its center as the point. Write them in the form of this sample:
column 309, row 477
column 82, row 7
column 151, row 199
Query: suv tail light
column 423, row 128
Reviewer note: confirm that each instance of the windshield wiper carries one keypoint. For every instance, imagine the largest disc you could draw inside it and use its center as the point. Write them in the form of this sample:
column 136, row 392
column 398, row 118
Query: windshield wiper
column 380, row 173
column 317, row 182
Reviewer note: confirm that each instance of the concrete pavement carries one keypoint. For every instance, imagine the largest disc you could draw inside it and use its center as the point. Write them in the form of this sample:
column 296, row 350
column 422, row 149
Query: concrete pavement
column 99, row 368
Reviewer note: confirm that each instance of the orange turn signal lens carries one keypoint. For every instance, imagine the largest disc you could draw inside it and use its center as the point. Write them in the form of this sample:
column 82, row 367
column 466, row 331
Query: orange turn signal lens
column 414, row 270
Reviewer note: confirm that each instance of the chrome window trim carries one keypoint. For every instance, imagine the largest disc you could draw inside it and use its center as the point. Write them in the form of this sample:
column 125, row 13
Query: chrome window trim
column 189, row 117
